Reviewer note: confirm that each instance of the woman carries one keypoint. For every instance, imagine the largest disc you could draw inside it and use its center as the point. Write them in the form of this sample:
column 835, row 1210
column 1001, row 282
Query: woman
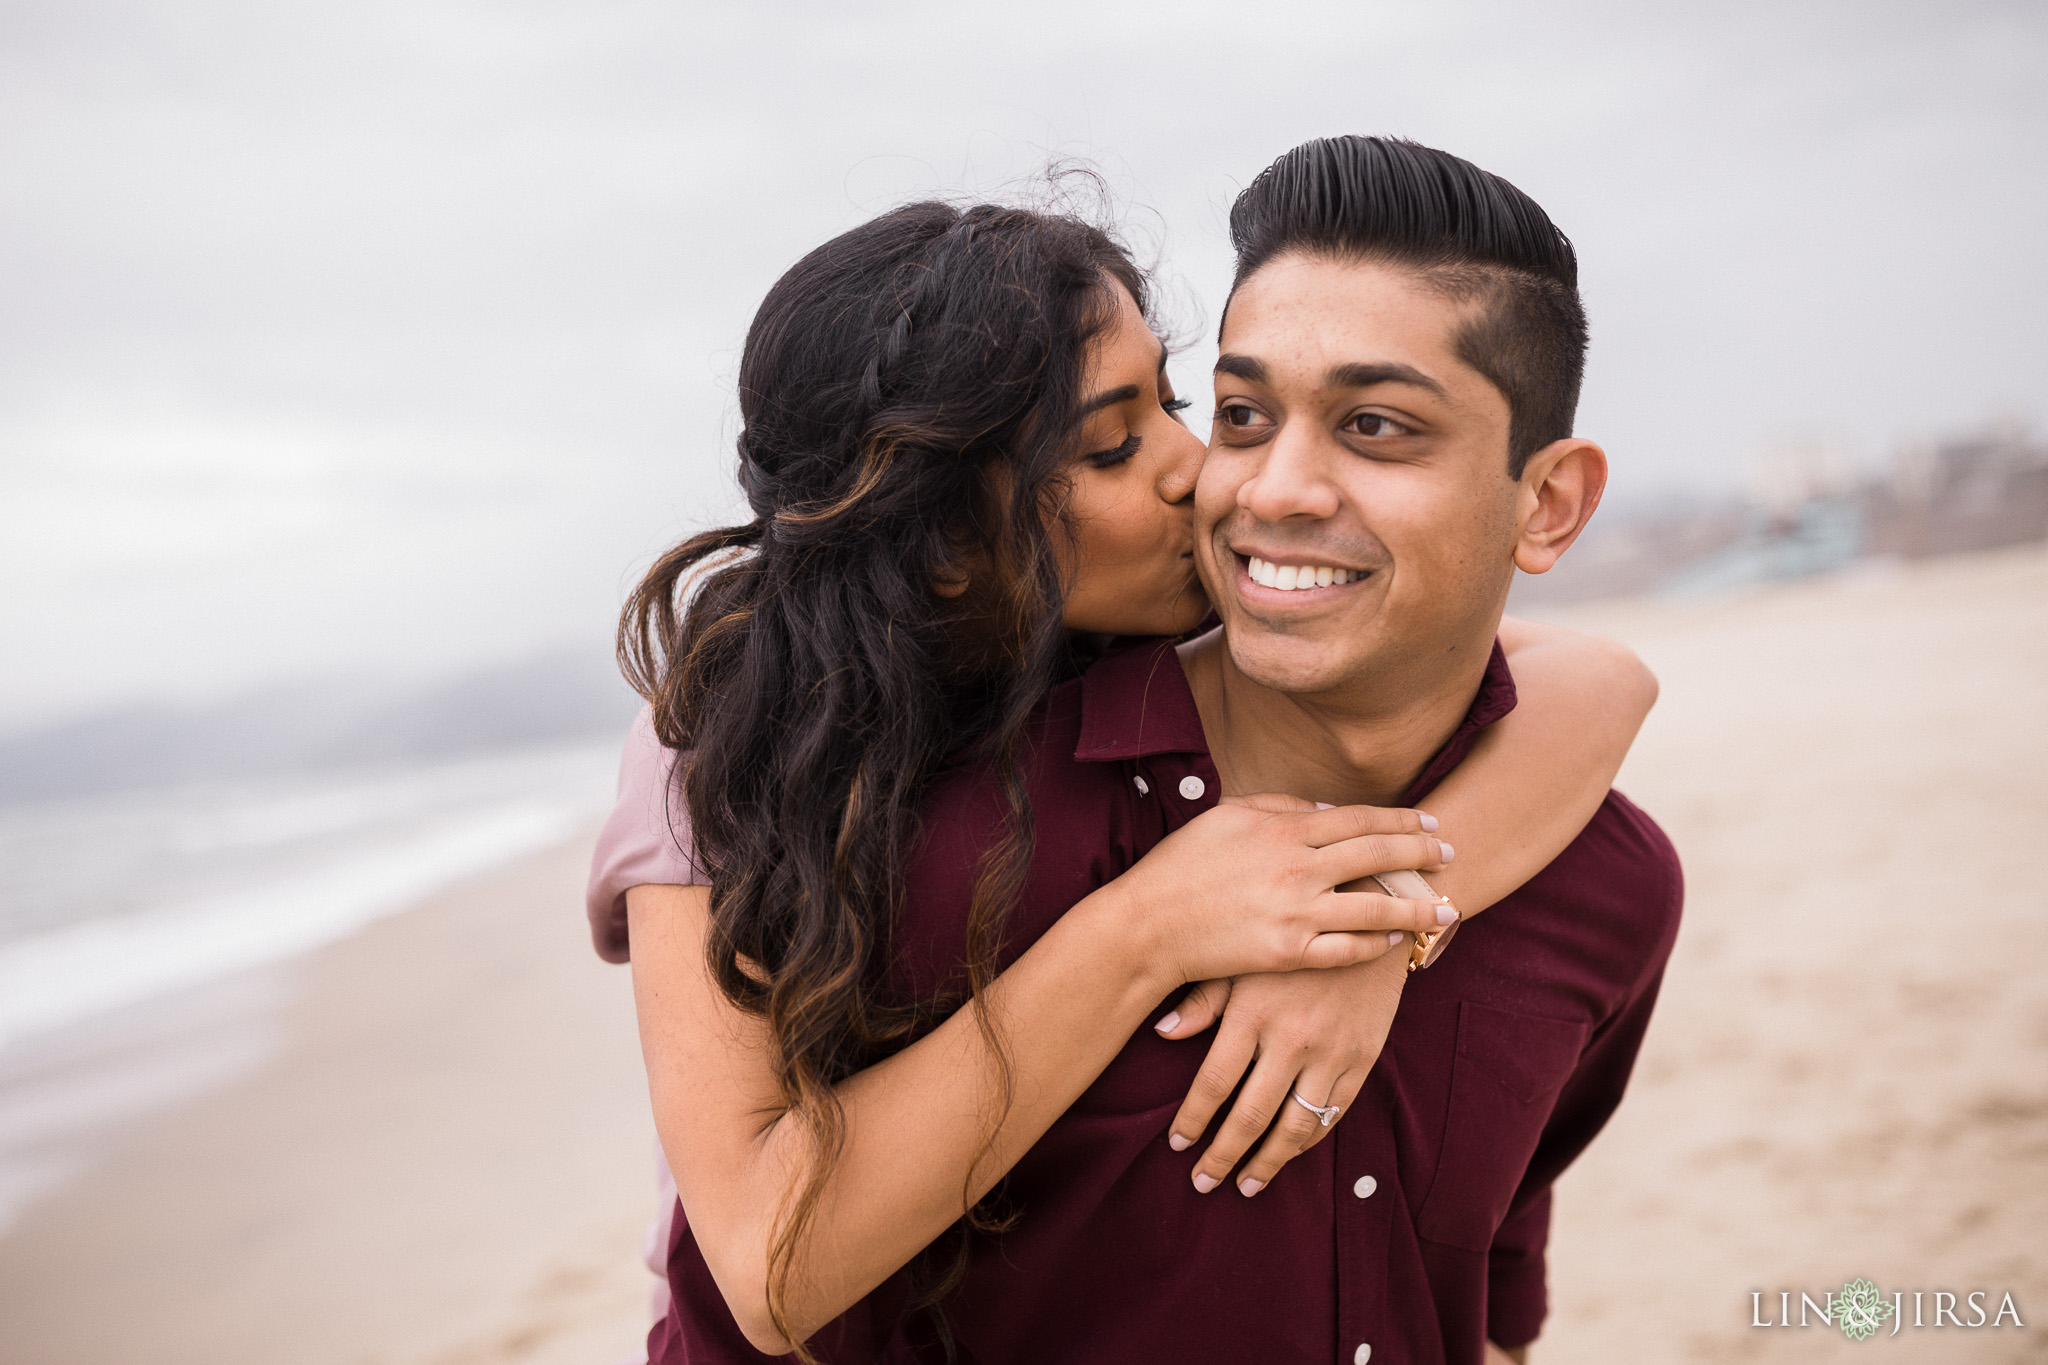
column 940, row 537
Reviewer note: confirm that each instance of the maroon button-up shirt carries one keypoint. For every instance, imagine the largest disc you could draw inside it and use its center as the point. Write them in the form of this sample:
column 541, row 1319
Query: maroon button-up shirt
column 1417, row 1229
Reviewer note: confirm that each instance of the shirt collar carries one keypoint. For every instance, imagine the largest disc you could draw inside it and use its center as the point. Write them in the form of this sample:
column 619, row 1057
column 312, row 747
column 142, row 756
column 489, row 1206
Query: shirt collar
column 1494, row 699
column 1136, row 702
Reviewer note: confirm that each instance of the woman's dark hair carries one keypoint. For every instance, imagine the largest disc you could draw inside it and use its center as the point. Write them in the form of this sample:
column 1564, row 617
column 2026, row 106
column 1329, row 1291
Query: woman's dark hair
column 1464, row 231
column 911, row 392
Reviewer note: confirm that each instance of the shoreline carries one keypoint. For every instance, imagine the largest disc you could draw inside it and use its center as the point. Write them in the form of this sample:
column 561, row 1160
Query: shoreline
column 444, row 1157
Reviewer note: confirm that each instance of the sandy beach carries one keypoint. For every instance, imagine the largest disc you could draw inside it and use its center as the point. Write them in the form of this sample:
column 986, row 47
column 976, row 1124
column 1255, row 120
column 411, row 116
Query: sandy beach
column 446, row 1156
column 446, row 1159
column 1848, row 1074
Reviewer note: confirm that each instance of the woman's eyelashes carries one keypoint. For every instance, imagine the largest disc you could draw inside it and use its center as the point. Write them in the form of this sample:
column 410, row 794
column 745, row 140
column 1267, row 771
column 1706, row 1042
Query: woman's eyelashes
column 1124, row 450
column 1116, row 455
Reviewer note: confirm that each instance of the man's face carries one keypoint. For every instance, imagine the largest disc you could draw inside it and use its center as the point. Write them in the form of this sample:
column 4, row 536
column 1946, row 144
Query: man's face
column 1351, row 443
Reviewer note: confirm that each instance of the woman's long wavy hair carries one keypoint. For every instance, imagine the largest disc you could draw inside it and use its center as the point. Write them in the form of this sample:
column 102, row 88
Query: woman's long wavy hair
column 911, row 394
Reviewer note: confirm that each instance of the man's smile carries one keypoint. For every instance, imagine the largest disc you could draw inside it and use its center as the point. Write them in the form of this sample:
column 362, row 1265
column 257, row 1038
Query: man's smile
column 1296, row 575
column 1271, row 576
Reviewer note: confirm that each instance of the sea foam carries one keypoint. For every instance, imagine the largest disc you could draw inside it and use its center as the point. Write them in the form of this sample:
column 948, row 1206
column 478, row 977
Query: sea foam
column 68, row 974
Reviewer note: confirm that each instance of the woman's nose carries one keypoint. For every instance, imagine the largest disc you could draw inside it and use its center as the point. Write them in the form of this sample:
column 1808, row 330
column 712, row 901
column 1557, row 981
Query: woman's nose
column 1183, row 465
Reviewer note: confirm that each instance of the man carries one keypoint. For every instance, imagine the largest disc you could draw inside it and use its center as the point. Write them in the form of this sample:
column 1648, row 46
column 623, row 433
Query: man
column 1400, row 362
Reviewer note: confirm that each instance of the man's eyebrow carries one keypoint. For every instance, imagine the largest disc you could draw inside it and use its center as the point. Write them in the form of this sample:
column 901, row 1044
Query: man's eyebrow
column 1364, row 376
column 1357, row 375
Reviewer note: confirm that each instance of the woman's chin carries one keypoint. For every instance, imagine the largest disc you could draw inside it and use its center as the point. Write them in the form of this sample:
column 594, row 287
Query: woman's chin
column 1166, row 625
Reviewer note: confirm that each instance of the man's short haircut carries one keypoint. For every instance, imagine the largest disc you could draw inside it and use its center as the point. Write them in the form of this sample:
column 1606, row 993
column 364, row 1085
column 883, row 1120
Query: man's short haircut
column 1465, row 232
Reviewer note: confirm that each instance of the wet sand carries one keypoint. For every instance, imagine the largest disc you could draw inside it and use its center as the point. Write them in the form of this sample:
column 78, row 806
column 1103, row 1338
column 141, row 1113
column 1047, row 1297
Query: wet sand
column 446, row 1158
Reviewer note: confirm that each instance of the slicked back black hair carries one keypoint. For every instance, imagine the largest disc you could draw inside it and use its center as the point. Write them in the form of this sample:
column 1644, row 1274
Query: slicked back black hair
column 1465, row 232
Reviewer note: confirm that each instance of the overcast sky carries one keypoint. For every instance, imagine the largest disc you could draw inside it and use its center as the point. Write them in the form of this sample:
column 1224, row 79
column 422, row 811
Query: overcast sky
column 393, row 337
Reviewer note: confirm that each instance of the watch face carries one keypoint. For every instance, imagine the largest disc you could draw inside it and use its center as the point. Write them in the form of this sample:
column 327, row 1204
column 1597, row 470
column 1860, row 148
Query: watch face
column 1410, row 885
column 1432, row 947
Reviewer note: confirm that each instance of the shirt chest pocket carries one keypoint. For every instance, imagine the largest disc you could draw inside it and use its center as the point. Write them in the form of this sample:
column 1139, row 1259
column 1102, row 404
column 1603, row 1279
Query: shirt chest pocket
column 1504, row 1083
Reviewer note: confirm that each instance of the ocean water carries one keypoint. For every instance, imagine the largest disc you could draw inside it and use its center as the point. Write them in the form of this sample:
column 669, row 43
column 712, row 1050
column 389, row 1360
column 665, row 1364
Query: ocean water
column 106, row 901
column 133, row 927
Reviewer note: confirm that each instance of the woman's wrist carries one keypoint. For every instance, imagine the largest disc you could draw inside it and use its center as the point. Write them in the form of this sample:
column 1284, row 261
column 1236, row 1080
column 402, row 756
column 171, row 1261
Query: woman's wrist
column 1115, row 933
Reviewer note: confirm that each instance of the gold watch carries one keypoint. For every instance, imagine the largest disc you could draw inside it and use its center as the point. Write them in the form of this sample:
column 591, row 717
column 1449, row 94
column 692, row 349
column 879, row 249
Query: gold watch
column 1424, row 947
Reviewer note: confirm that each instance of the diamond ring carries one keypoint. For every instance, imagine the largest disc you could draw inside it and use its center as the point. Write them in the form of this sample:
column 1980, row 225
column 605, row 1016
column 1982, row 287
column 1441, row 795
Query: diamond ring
column 1326, row 1114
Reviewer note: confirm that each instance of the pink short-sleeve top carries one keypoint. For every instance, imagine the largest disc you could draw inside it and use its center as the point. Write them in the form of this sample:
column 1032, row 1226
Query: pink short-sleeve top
column 646, row 841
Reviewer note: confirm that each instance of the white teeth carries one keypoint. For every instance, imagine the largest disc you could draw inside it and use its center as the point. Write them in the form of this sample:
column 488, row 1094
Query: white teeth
column 1294, row 577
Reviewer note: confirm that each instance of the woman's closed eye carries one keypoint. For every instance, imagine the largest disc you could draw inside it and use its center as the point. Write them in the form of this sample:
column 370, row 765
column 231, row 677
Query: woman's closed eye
column 1115, row 455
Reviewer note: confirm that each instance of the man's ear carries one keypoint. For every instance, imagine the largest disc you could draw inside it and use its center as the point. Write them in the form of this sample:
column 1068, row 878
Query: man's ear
column 1561, row 485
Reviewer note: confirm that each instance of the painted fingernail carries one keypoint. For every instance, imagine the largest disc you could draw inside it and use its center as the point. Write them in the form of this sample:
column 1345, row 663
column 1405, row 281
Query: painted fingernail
column 1204, row 1183
column 1394, row 938
column 1169, row 1023
column 1179, row 1143
column 1445, row 914
column 1249, row 1187
column 1448, row 852
column 1428, row 822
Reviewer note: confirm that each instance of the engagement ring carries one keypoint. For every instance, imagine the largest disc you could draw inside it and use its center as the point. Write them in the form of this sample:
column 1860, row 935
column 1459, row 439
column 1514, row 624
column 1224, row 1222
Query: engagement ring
column 1325, row 1113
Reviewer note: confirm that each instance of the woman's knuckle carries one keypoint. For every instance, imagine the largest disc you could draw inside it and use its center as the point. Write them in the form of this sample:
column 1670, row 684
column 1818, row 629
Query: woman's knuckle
column 1221, row 1155
column 1252, row 1116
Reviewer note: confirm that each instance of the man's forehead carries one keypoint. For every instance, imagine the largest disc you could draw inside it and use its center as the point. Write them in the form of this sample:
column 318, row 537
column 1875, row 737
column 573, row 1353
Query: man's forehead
column 1343, row 324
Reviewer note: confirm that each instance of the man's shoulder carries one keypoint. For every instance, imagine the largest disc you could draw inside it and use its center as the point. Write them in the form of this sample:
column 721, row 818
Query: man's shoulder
column 1611, row 901
column 1132, row 701
column 1081, row 836
column 967, row 811
column 1625, row 850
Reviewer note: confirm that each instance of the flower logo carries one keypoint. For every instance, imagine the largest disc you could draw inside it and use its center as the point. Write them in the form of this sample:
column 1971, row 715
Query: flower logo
column 1859, row 1310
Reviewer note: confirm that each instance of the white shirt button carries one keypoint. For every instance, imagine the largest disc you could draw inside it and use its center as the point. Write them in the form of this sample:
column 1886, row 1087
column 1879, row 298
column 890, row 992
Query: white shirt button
column 1144, row 787
column 1362, row 1354
column 1191, row 788
column 1365, row 1186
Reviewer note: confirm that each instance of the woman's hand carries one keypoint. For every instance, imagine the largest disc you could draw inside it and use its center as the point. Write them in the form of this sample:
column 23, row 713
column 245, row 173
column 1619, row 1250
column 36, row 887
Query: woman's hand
column 1316, row 1034
column 1250, row 886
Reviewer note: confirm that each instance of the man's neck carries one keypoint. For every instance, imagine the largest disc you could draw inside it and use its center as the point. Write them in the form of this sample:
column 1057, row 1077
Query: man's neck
column 1362, row 747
